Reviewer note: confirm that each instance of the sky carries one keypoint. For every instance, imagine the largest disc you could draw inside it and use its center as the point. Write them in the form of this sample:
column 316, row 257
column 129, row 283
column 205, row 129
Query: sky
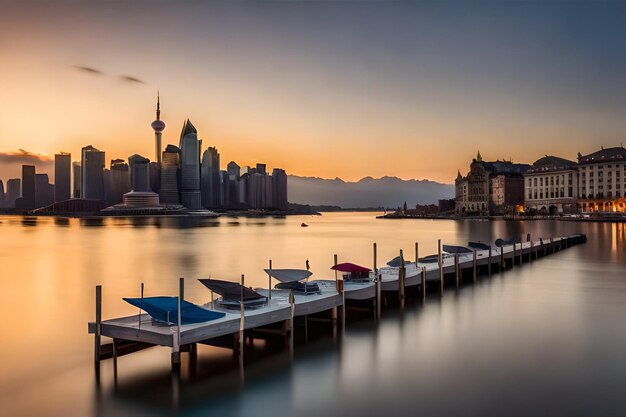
column 320, row 88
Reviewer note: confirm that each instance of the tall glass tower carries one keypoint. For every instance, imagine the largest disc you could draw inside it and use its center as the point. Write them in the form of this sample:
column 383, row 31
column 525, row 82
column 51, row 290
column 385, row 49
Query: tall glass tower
column 190, row 167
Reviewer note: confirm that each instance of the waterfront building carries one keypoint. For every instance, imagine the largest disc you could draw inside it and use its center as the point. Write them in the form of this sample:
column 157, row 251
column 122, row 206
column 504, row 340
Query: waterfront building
column 490, row 188
column 170, row 166
column 279, row 182
column 44, row 191
column 255, row 190
column 117, row 181
column 62, row 176
column 602, row 181
column 234, row 171
column 190, row 167
column 224, row 190
column 92, row 173
column 211, row 179
column 551, row 186
column 243, row 190
column 13, row 192
column 27, row 199
column 2, row 195
column 139, row 173
column 76, row 173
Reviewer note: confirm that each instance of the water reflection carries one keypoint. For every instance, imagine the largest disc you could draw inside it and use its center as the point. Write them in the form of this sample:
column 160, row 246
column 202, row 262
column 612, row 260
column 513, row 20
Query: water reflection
column 518, row 343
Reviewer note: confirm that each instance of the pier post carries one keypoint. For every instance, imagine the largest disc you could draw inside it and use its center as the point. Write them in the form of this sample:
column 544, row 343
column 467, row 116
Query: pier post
column 417, row 256
column 242, row 324
column 379, row 284
column 457, row 271
column 292, row 306
column 440, row 261
column 423, row 284
column 530, row 254
column 551, row 245
column 269, row 283
column 176, row 337
column 502, row 261
column 489, row 264
column 97, row 334
column 474, row 272
column 521, row 253
column 139, row 315
column 336, row 279
column 401, row 281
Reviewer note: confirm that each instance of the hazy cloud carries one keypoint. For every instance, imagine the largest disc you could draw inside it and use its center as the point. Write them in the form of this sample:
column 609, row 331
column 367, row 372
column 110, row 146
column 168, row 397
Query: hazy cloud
column 24, row 157
column 89, row 70
column 95, row 71
column 131, row 79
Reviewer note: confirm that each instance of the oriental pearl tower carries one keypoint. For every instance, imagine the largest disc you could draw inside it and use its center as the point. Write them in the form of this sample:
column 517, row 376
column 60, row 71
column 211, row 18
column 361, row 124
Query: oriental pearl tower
column 158, row 125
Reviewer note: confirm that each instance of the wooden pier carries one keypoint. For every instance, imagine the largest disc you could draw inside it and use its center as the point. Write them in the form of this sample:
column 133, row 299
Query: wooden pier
column 136, row 332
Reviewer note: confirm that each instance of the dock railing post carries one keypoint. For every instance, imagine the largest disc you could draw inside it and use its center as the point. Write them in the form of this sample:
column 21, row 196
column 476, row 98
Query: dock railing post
column 401, row 279
column 336, row 278
column 457, row 270
column 489, row 263
column 269, row 284
column 423, row 284
column 474, row 272
column 98, row 332
column 440, row 261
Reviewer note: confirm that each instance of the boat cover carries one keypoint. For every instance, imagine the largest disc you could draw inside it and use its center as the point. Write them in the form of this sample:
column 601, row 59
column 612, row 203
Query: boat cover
column 456, row 249
column 501, row 242
column 397, row 262
column 165, row 310
column 299, row 287
column 350, row 267
column 231, row 291
column 429, row 259
column 289, row 275
column 478, row 245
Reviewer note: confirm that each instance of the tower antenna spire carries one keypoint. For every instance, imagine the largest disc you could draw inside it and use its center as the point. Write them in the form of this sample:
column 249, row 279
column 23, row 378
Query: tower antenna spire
column 158, row 112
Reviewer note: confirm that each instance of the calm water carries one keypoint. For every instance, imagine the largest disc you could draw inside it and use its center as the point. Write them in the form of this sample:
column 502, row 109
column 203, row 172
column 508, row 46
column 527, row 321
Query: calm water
column 544, row 339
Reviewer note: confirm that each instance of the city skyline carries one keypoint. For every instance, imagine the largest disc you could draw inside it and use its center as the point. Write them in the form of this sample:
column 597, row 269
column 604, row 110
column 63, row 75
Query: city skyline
column 319, row 89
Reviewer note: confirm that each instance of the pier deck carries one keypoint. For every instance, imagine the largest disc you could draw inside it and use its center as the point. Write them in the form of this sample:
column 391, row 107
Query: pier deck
column 140, row 328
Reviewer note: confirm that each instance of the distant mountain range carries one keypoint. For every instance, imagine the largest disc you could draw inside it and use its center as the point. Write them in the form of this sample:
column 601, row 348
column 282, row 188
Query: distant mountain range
column 367, row 192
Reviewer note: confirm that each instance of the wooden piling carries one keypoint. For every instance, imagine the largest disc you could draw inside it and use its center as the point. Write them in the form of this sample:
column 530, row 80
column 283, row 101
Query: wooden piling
column 474, row 266
column 489, row 264
column 139, row 315
column 502, row 261
column 401, row 281
column 551, row 245
column 530, row 254
column 336, row 278
column 521, row 253
column 417, row 256
column 423, row 284
column 440, row 261
column 269, row 283
column 242, row 324
column 457, row 271
column 176, row 337
column 379, row 279
column 98, row 332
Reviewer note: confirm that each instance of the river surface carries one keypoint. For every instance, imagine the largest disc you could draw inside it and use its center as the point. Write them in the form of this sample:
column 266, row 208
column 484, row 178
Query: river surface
column 544, row 339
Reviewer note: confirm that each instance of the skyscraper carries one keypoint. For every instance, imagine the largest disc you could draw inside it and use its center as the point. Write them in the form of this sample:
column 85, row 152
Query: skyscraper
column 279, row 180
column 44, row 191
column 76, row 172
column 27, row 201
column 170, row 165
column 14, row 191
column 234, row 171
column 116, row 181
column 139, row 173
column 92, row 178
column 211, row 189
column 190, row 167
column 158, row 125
column 62, row 176
column 2, row 195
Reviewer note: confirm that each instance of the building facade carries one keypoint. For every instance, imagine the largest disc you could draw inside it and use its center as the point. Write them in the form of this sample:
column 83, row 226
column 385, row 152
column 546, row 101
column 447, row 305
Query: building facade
column 602, row 181
column 190, row 195
column 551, row 186
column 211, row 178
column 62, row 176
column 92, row 173
column 490, row 188
column 170, row 167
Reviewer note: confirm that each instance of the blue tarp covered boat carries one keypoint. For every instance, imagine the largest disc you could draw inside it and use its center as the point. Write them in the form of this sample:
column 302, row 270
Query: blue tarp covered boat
column 165, row 310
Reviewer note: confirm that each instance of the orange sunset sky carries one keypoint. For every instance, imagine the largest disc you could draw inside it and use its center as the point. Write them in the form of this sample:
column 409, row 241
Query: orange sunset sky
column 347, row 89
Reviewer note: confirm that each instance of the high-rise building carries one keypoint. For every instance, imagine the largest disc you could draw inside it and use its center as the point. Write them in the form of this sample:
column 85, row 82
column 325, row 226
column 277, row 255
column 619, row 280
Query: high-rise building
column 190, row 167
column 261, row 168
column 158, row 125
column 44, row 191
column 170, row 166
column 13, row 192
column 211, row 179
column 139, row 173
column 234, row 171
column 116, row 181
column 62, row 176
column 92, row 178
column 2, row 195
column 27, row 200
column 76, row 173
column 279, row 182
